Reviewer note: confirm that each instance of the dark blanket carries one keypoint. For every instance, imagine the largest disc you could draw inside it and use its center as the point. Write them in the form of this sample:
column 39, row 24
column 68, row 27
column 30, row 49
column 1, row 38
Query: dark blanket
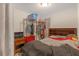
column 37, row 48
column 65, row 50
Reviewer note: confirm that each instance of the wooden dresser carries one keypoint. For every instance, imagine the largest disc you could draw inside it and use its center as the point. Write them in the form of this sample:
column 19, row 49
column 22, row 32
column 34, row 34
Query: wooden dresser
column 19, row 42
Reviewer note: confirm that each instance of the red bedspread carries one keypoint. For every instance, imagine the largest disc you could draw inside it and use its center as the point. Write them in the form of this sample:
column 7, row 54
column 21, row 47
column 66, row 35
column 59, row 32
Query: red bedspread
column 29, row 38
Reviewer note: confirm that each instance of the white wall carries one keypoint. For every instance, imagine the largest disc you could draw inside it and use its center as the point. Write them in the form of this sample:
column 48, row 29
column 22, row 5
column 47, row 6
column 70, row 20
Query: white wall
column 66, row 18
column 19, row 16
column 78, row 21
column 2, row 29
column 61, row 15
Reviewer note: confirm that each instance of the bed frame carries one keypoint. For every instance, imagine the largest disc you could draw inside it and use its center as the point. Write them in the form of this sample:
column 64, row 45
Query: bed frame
column 62, row 31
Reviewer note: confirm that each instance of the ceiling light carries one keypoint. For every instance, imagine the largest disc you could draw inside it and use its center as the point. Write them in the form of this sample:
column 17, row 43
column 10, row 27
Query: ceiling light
column 45, row 4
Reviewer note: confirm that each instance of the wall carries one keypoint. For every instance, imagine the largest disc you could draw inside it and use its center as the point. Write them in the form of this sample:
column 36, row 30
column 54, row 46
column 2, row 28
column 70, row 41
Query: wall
column 62, row 15
column 78, row 21
column 18, row 19
column 65, row 18
column 2, row 29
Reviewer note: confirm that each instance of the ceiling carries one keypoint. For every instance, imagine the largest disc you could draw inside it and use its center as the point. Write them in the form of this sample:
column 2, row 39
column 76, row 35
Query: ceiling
column 44, row 11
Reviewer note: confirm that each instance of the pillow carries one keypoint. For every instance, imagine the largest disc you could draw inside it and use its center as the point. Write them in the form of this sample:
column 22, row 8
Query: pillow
column 73, row 36
column 57, row 36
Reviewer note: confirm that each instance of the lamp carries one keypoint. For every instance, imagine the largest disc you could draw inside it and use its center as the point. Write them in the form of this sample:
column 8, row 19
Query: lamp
column 45, row 4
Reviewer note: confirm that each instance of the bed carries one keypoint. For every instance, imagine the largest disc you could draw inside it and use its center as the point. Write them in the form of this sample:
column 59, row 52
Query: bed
column 49, row 47
column 62, row 31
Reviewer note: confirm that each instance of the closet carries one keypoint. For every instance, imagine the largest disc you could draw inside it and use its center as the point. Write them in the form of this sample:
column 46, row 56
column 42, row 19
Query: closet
column 35, row 28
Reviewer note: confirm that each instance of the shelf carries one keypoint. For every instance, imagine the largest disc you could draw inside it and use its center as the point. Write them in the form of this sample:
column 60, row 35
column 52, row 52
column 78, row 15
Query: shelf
column 18, row 42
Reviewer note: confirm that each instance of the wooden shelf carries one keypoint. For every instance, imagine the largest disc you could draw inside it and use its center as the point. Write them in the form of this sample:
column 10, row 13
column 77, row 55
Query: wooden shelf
column 18, row 42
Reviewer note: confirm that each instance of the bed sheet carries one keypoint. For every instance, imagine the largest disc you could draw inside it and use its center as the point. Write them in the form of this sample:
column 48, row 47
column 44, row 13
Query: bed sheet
column 52, row 42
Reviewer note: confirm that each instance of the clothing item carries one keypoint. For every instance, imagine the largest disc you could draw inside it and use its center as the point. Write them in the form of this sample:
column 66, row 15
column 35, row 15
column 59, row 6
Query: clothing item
column 30, row 28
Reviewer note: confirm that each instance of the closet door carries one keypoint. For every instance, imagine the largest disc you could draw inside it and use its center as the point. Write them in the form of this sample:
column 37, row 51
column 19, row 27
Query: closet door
column 47, row 26
column 41, row 29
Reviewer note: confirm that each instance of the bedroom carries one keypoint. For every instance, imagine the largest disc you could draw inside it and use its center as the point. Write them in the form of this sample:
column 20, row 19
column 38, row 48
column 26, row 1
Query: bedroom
column 59, row 19
column 43, row 29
